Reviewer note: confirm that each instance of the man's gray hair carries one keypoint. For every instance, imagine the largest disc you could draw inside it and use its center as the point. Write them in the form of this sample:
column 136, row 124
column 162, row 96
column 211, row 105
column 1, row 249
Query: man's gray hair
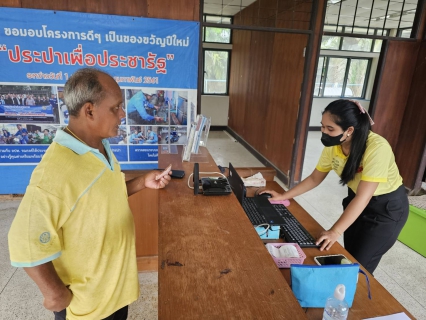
column 83, row 86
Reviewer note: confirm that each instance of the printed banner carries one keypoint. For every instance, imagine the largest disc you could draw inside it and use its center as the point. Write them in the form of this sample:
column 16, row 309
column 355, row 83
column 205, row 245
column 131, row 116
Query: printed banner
column 48, row 46
column 154, row 61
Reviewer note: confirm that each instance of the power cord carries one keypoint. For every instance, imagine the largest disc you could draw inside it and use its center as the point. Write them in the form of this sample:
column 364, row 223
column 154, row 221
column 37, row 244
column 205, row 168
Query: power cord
column 266, row 230
column 189, row 178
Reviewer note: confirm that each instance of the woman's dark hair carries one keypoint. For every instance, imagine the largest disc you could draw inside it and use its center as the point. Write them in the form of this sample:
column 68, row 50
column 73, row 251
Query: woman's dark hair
column 346, row 113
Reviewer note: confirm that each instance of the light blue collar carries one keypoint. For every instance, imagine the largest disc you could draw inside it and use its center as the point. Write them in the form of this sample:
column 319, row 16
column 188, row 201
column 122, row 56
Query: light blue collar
column 68, row 141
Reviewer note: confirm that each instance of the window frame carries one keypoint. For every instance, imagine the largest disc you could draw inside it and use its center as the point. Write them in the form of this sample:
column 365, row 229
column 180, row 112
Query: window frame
column 204, row 28
column 376, row 33
column 227, row 71
column 324, row 73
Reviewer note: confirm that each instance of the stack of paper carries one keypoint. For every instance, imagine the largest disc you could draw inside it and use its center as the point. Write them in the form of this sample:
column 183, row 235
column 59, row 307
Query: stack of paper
column 285, row 251
column 255, row 180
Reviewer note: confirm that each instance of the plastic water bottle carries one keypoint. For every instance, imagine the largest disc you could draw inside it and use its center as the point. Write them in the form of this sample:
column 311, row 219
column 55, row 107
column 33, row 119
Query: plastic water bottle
column 336, row 308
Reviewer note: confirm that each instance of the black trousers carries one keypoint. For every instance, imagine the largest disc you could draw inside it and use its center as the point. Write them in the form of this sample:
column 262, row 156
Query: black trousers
column 118, row 315
column 376, row 230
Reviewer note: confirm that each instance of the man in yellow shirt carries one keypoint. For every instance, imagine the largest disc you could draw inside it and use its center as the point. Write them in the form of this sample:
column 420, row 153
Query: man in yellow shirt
column 74, row 232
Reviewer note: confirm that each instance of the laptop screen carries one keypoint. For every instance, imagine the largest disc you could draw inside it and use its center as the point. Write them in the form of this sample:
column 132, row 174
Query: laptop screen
column 237, row 184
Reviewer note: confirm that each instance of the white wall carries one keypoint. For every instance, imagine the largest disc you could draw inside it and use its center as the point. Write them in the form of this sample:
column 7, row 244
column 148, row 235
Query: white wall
column 319, row 104
column 217, row 108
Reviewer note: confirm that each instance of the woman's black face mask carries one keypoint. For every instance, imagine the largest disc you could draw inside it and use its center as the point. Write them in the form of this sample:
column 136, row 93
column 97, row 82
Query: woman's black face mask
column 330, row 141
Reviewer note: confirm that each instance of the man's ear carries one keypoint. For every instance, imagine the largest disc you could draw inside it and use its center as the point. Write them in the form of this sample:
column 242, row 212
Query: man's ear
column 87, row 109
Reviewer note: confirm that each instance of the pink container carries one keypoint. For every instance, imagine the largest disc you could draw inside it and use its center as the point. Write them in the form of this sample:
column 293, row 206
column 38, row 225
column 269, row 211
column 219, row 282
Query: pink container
column 286, row 262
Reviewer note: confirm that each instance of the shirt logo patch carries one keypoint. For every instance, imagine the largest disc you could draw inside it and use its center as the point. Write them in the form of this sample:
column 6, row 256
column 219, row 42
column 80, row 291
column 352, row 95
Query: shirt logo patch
column 45, row 237
column 359, row 169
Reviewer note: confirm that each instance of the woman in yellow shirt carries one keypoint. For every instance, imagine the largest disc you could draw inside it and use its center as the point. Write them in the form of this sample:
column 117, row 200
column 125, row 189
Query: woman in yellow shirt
column 376, row 207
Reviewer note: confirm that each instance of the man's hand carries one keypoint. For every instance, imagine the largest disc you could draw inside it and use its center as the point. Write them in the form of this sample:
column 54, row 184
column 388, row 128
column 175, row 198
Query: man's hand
column 151, row 182
column 158, row 119
column 56, row 295
column 59, row 302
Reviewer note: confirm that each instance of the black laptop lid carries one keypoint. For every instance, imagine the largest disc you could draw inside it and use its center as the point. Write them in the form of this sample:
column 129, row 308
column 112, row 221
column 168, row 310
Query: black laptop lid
column 237, row 184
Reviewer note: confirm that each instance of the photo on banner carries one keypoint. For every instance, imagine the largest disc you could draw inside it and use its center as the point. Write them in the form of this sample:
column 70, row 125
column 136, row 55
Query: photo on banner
column 28, row 104
column 154, row 61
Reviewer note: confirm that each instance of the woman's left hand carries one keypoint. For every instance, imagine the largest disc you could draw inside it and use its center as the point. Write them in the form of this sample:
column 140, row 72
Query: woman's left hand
column 327, row 239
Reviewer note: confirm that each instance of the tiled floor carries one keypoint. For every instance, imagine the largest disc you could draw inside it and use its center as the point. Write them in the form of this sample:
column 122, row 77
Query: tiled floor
column 401, row 271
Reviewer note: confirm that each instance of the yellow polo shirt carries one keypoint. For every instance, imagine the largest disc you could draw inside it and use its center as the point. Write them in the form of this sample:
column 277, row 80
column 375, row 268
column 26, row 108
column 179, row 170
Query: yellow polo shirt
column 377, row 165
column 75, row 213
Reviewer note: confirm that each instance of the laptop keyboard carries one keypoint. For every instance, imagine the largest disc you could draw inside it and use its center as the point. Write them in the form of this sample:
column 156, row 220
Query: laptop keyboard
column 292, row 230
column 251, row 210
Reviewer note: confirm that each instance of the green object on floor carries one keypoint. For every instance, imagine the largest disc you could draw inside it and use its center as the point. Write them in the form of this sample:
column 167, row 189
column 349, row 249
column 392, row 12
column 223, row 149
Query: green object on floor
column 414, row 232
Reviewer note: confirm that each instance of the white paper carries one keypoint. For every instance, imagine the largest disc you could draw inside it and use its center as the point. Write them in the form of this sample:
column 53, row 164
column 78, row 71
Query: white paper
column 255, row 180
column 396, row 316
column 285, row 251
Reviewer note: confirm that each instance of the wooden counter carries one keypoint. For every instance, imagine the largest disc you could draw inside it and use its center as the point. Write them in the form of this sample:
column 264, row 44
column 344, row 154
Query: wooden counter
column 213, row 265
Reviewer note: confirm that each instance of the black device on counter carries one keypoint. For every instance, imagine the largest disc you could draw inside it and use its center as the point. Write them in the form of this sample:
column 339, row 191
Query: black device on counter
column 211, row 186
column 215, row 186
column 196, row 178
column 178, row 174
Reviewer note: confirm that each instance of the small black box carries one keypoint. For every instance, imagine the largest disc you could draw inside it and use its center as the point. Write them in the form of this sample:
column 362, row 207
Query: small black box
column 215, row 186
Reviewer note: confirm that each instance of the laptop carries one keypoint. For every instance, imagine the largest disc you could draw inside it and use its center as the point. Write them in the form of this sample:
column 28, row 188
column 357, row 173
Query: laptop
column 258, row 209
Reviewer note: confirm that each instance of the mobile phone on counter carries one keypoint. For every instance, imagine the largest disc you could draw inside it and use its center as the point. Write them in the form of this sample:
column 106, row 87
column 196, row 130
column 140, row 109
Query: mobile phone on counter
column 179, row 174
column 332, row 259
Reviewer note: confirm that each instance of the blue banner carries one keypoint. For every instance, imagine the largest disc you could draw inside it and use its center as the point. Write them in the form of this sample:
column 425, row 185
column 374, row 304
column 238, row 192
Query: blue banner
column 26, row 113
column 41, row 48
column 154, row 61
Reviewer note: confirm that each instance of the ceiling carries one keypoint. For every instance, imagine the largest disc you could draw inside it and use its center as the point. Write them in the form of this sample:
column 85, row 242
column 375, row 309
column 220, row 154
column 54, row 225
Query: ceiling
column 389, row 9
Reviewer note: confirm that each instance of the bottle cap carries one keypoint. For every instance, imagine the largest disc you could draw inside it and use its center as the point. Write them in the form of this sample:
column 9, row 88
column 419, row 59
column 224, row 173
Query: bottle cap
column 339, row 292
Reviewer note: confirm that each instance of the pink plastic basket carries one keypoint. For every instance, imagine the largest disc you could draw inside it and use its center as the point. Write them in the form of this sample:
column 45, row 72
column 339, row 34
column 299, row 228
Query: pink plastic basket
column 286, row 262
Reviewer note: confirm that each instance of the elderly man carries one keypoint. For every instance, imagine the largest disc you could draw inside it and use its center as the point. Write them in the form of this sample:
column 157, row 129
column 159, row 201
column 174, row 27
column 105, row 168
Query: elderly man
column 74, row 231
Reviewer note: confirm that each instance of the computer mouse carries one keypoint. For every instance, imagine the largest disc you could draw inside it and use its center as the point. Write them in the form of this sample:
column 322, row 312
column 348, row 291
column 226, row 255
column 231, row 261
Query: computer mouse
column 265, row 195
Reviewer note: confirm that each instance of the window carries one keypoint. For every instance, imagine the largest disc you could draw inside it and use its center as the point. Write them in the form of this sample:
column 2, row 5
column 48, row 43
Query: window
column 217, row 35
column 353, row 43
column 341, row 77
column 216, row 70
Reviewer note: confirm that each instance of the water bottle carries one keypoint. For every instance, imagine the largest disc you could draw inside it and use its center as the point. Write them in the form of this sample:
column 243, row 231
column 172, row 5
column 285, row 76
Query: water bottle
column 336, row 308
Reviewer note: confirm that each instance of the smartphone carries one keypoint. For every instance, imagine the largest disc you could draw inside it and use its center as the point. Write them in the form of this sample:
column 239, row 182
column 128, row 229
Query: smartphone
column 179, row 174
column 332, row 259
column 164, row 173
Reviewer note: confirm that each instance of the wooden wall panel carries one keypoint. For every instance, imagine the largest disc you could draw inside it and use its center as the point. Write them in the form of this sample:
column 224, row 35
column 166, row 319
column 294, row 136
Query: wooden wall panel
column 239, row 77
column 412, row 137
column 165, row 9
column 10, row 3
column 257, row 102
column 394, row 88
column 267, row 118
column 295, row 17
column 285, row 87
column 144, row 206
column 174, row 9
column 126, row 8
column 45, row 4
